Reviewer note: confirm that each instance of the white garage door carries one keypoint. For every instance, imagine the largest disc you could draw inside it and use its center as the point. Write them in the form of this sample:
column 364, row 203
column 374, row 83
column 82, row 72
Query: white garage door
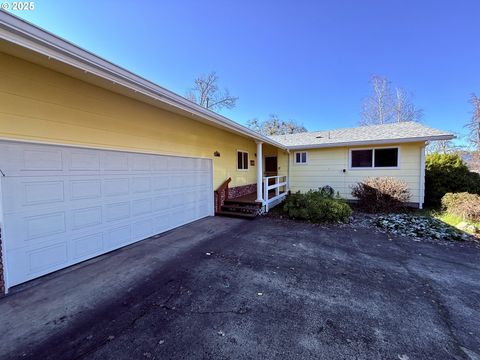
column 63, row 205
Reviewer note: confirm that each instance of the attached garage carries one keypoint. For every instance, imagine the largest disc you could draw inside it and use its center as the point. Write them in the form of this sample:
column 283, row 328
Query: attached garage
column 62, row 205
column 94, row 157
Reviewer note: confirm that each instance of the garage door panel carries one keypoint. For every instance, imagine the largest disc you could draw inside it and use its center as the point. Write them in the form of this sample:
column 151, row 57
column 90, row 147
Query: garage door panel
column 36, row 261
column 85, row 189
column 86, row 247
column 139, row 162
column 142, row 229
column 141, row 207
column 84, row 160
column 117, row 211
column 86, row 217
column 63, row 205
column 116, row 186
column 114, row 161
column 141, row 185
column 118, row 236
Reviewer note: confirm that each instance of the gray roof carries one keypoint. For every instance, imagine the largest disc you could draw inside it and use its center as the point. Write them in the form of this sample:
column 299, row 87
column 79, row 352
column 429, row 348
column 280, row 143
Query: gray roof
column 374, row 134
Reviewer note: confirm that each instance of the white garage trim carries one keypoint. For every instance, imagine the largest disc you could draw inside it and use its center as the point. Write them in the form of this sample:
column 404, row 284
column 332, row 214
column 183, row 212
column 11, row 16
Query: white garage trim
column 65, row 204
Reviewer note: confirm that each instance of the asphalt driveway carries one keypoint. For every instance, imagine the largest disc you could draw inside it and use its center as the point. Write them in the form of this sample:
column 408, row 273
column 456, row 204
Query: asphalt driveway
column 264, row 289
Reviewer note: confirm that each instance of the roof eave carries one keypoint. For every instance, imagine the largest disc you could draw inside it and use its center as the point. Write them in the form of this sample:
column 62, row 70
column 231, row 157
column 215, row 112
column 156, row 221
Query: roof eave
column 373, row 142
column 29, row 36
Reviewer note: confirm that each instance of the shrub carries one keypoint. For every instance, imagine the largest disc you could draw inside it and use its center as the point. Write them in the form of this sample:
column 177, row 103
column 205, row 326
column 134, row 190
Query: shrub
column 463, row 204
column 381, row 194
column 317, row 206
column 447, row 173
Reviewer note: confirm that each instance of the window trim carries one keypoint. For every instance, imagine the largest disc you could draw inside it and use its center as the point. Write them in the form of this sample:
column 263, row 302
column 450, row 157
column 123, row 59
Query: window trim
column 295, row 157
column 248, row 159
column 373, row 167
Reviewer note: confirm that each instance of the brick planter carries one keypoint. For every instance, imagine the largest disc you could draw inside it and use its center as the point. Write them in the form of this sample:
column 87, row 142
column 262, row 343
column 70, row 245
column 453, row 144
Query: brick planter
column 237, row 191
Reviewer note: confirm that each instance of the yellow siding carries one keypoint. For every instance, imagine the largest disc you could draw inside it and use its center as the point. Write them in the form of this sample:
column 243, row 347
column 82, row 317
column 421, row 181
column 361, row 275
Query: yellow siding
column 39, row 104
column 325, row 167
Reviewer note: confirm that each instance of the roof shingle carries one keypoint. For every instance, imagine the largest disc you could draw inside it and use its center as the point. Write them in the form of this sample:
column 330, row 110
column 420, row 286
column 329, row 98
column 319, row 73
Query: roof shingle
column 403, row 131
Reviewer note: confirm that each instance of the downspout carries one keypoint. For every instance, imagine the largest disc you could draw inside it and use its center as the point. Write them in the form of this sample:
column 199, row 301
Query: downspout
column 422, row 177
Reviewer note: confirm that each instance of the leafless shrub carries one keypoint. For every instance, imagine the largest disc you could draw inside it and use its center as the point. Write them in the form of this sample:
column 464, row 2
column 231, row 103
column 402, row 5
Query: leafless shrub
column 382, row 194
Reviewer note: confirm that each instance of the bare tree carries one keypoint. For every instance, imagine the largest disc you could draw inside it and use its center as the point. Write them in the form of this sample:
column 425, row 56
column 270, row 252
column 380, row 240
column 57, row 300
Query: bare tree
column 385, row 105
column 377, row 108
column 473, row 125
column 443, row 147
column 403, row 107
column 275, row 126
column 206, row 93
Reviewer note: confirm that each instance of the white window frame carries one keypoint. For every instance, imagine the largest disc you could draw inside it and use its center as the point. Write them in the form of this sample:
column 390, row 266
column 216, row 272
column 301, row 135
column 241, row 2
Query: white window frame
column 295, row 157
column 248, row 160
column 373, row 159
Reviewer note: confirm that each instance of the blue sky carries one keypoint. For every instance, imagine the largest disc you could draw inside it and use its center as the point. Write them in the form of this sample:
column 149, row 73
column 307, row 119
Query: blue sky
column 304, row 60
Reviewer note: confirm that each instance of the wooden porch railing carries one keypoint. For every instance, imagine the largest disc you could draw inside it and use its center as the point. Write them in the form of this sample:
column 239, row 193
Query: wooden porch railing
column 222, row 188
column 274, row 183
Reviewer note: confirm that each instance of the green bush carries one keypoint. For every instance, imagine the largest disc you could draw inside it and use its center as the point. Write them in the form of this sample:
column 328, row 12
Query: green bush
column 463, row 204
column 447, row 173
column 317, row 206
column 381, row 194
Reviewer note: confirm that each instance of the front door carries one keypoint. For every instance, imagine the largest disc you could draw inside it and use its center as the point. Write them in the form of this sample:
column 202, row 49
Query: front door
column 271, row 166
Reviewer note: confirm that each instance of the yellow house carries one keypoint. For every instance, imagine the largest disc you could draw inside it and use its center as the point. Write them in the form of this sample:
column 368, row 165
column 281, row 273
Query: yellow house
column 94, row 157
column 343, row 157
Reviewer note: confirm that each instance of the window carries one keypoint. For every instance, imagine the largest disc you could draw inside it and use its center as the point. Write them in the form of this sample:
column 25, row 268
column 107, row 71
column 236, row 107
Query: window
column 386, row 157
column 362, row 158
column 374, row 158
column 301, row 157
column 242, row 160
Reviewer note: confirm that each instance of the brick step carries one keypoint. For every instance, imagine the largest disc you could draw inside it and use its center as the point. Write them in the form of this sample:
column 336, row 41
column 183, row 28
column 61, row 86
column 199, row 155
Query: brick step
column 237, row 214
column 242, row 203
column 240, row 208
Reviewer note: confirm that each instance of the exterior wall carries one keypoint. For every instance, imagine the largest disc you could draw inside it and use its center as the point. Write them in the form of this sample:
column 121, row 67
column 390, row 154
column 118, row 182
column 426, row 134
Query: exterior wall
column 325, row 167
column 42, row 105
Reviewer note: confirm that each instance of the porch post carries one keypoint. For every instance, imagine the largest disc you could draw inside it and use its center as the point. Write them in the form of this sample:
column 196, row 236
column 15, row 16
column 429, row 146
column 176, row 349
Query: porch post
column 259, row 171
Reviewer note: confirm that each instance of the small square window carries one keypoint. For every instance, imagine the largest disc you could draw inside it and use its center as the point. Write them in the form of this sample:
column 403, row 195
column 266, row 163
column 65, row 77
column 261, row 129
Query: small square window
column 242, row 160
column 301, row 157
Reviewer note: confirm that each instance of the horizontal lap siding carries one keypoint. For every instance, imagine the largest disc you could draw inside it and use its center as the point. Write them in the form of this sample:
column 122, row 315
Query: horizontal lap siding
column 325, row 167
column 42, row 105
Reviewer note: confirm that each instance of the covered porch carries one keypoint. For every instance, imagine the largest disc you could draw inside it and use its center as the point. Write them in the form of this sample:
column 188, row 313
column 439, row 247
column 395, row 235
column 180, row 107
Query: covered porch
column 270, row 189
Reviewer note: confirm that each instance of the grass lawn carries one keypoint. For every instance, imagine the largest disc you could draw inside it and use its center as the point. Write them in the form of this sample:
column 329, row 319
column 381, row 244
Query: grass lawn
column 450, row 219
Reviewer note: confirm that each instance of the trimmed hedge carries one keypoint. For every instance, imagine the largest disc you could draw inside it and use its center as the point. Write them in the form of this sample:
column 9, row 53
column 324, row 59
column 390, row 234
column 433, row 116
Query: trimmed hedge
column 448, row 173
column 317, row 206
